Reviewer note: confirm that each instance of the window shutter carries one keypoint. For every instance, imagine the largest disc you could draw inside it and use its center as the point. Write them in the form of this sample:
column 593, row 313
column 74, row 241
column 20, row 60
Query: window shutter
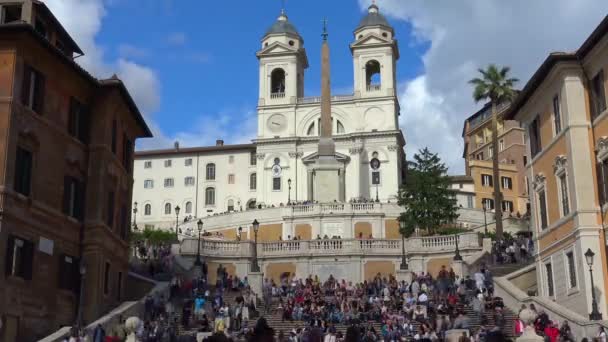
column 39, row 93
column 84, row 123
column 10, row 245
column 25, row 85
column 28, row 259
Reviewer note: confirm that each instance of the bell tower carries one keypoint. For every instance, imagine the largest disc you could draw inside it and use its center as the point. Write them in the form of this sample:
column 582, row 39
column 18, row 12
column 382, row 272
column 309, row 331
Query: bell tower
column 282, row 63
column 375, row 54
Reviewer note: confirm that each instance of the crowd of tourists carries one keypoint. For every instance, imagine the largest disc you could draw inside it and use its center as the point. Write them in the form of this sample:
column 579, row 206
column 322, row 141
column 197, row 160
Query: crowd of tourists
column 512, row 250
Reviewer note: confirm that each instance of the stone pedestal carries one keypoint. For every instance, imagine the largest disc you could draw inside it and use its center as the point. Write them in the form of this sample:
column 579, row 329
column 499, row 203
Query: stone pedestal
column 256, row 282
column 459, row 268
column 404, row 275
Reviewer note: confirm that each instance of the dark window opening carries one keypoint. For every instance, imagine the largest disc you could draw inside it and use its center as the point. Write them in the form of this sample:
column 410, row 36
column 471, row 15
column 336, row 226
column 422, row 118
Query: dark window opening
column 277, row 82
column 119, row 287
column 602, row 181
column 549, row 270
column 73, row 197
column 276, row 184
column 10, row 13
column 557, row 116
column 40, row 27
column 110, row 210
column 78, row 121
column 372, row 75
column 542, row 204
column 571, row 269
column 534, row 134
column 114, row 136
column 19, row 257
column 598, row 95
column 23, row 171
column 127, row 151
column 69, row 274
column 106, row 279
column 375, row 177
column 32, row 93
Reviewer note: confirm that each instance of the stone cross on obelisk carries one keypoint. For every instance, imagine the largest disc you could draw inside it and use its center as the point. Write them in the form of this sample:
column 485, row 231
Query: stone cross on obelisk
column 326, row 143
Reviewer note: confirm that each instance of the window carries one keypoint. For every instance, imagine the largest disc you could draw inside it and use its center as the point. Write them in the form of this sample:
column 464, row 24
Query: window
column 479, row 156
column 106, row 279
column 490, row 151
column 230, row 205
column 487, row 180
column 525, row 160
column 148, row 209
column 602, row 181
column 188, row 162
column 542, row 209
column 488, row 203
column 119, row 287
column 189, row 181
column 469, row 201
column 340, row 127
column 549, row 271
column 311, row 129
column 563, row 185
column 277, row 83
column 188, row 207
column 23, row 171
column 10, row 13
column 253, row 179
column 210, row 196
column 124, row 222
column 148, row 184
column 114, row 136
column 168, row 182
column 507, row 183
column 375, row 177
column 127, row 150
column 73, row 197
column 40, row 27
column 78, row 121
column 230, row 159
column 557, row 116
column 252, row 159
column 571, row 269
column 507, row 206
column 276, row 184
column 167, row 208
column 598, row 95
column 372, row 75
column 231, row 179
column 534, row 134
column 19, row 257
column 168, row 163
column 501, row 145
column 32, row 94
column 69, row 275
column 210, row 171
column 110, row 209
column 147, row 165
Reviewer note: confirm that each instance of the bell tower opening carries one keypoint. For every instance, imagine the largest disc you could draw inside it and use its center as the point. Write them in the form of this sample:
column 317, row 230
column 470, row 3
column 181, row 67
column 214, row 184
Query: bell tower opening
column 277, row 83
column 372, row 75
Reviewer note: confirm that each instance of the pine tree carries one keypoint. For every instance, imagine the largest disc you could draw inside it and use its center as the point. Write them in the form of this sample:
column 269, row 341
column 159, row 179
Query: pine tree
column 426, row 196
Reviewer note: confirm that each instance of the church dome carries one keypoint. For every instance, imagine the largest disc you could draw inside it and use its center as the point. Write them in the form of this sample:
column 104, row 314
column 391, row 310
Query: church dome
column 283, row 26
column 373, row 18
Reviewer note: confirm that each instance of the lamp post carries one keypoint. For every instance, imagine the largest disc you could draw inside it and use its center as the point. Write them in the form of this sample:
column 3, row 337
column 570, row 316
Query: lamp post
column 402, row 226
column 289, row 192
column 240, row 233
column 254, row 264
column 198, row 262
column 176, row 222
column 457, row 256
column 595, row 315
column 82, row 268
column 485, row 220
column 135, row 216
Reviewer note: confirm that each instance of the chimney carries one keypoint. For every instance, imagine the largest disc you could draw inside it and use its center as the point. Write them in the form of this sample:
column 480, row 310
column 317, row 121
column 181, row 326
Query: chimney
column 219, row 142
column 176, row 145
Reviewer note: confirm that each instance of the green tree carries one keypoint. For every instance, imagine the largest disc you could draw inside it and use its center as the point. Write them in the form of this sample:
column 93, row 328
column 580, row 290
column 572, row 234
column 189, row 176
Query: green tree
column 496, row 86
column 426, row 196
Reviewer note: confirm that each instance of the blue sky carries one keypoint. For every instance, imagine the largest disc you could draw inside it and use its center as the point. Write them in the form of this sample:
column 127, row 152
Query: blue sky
column 191, row 65
column 204, row 52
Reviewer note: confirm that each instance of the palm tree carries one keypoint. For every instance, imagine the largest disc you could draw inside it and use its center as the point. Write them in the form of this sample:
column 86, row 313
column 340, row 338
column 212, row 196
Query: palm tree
column 496, row 86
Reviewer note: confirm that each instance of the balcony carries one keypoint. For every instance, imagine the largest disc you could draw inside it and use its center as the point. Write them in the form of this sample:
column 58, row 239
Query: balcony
column 374, row 87
column 317, row 99
column 277, row 95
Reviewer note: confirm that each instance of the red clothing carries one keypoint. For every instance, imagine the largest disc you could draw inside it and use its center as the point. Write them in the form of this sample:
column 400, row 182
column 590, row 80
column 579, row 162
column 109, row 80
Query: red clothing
column 552, row 333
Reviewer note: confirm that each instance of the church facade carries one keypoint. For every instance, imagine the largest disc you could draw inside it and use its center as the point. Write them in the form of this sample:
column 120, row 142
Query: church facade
column 279, row 166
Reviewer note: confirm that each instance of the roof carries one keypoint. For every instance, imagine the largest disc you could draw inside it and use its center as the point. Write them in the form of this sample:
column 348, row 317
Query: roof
column 113, row 82
column 461, row 179
column 373, row 18
column 193, row 150
column 282, row 26
column 554, row 58
column 61, row 29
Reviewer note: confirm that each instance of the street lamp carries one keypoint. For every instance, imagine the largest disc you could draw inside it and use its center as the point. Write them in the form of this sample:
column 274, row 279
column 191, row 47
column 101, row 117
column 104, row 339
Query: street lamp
column 176, row 222
column 289, row 192
column 135, row 216
column 198, row 262
column 402, row 227
column 240, row 233
column 254, row 264
column 82, row 268
column 457, row 256
column 485, row 220
column 595, row 315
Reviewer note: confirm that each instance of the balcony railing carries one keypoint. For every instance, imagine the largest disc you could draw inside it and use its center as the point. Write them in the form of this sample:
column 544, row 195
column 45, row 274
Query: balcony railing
column 317, row 99
column 374, row 87
column 334, row 208
column 277, row 95
column 390, row 247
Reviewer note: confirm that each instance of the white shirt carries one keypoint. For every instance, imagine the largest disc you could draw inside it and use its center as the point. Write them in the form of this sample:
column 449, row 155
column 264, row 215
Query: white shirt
column 423, row 297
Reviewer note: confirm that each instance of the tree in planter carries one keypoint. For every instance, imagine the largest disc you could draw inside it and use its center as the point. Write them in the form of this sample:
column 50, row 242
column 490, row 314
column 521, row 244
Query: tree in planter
column 426, row 196
column 495, row 85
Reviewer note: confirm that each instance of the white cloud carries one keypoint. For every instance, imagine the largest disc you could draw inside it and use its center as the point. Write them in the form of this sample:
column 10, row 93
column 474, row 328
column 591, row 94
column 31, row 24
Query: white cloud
column 177, row 38
column 132, row 51
column 468, row 34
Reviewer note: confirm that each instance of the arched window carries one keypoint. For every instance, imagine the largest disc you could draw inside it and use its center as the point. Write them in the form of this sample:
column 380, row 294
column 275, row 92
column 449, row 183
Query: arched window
column 253, row 179
column 277, row 82
column 167, row 208
column 372, row 75
column 188, row 207
column 339, row 127
column 311, row 129
column 230, row 205
column 251, row 204
column 210, row 196
column 210, row 172
column 148, row 209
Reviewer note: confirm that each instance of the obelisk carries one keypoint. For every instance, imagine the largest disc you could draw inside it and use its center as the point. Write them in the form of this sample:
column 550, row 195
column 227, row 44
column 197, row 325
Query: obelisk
column 326, row 147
